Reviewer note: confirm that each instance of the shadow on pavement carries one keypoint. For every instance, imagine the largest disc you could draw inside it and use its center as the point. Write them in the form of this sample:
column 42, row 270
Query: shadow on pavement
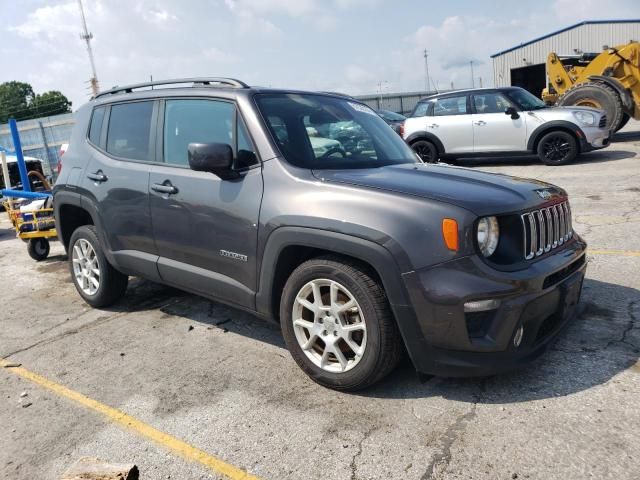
column 600, row 344
column 597, row 156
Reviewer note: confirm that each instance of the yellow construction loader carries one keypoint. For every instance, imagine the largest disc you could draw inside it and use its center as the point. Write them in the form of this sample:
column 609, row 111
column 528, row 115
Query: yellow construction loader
column 609, row 81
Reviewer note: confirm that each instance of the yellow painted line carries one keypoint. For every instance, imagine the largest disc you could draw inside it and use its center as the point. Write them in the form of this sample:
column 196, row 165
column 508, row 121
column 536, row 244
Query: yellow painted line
column 171, row 443
column 623, row 253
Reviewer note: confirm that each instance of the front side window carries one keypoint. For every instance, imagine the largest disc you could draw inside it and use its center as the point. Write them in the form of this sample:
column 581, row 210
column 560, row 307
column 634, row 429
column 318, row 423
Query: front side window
column 203, row 121
column 322, row 132
column 450, row 106
column 490, row 103
column 95, row 129
column 525, row 100
column 129, row 130
column 421, row 110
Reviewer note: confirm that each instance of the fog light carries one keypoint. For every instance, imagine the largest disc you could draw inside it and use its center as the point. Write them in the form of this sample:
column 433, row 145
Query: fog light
column 481, row 305
column 517, row 338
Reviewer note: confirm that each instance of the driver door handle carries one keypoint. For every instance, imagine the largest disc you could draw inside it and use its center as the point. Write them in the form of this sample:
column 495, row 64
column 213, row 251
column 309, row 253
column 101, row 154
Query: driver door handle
column 164, row 188
column 480, row 122
column 97, row 176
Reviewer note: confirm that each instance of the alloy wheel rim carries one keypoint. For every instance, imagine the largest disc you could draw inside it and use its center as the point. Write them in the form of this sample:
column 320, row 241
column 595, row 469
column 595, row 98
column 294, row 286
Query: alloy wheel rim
column 556, row 148
column 329, row 325
column 424, row 153
column 86, row 269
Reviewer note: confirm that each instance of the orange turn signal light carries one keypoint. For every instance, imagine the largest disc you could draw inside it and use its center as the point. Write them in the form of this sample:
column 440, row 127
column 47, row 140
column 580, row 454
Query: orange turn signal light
column 450, row 233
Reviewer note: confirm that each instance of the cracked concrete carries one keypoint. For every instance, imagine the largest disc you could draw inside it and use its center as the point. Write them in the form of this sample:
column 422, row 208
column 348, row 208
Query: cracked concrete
column 222, row 380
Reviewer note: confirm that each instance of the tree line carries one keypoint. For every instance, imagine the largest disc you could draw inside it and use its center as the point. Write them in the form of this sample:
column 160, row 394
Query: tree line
column 19, row 101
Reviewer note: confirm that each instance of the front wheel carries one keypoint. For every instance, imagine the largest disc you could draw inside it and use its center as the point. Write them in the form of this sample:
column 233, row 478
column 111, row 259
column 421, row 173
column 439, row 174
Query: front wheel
column 97, row 282
column 426, row 150
column 557, row 148
column 337, row 324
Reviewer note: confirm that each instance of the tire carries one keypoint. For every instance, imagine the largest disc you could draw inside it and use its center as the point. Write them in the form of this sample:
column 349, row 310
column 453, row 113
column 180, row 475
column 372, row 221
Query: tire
column 426, row 150
column 557, row 148
column 623, row 122
column 111, row 284
column 374, row 330
column 596, row 95
column 38, row 248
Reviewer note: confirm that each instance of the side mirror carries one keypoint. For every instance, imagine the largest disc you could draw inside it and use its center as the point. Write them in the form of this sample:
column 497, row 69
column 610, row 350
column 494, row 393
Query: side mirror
column 216, row 158
column 513, row 112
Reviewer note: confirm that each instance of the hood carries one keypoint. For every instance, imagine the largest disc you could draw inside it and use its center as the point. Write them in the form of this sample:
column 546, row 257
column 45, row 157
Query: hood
column 552, row 113
column 479, row 192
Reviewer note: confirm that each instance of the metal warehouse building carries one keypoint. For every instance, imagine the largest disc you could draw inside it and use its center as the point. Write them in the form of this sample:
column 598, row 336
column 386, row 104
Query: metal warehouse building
column 524, row 65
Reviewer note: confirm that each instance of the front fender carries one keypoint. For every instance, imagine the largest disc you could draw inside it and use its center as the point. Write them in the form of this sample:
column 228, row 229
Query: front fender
column 546, row 127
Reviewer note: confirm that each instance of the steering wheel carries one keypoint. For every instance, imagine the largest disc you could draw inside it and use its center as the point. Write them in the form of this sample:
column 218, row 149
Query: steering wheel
column 334, row 150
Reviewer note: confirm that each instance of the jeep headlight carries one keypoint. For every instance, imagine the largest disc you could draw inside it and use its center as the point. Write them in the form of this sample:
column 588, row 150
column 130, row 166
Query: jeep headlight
column 587, row 119
column 488, row 234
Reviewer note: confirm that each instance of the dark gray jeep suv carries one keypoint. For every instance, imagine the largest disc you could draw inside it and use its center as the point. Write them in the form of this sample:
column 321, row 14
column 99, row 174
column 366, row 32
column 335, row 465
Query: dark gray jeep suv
column 308, row 210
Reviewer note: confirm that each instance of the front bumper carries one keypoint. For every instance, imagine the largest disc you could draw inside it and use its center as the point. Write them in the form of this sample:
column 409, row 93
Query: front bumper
column 541, row 299
column 595, row 138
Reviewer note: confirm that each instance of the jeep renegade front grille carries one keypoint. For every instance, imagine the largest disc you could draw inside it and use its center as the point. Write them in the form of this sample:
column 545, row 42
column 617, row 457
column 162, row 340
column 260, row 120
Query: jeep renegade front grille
column 546, row 229
column 603, row 121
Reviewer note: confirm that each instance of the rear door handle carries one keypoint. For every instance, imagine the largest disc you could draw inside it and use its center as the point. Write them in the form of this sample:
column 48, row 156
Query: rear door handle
column 433, row 125
column 165, row 187
column 480, row 122
column 97, row 176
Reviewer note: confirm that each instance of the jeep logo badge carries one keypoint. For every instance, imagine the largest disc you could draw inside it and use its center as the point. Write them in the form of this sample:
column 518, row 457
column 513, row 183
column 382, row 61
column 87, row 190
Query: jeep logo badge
column 544, row 194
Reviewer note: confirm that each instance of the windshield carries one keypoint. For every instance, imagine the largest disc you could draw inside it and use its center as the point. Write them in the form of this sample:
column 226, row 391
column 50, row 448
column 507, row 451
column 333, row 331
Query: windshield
column 391, row 116
column 322, row 132
column 525, row 100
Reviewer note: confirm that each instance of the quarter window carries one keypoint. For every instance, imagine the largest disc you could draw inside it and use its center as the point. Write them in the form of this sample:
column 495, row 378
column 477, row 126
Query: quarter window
column 490, row 103
column 450, row 106
column 96, row 125
column 129, row 130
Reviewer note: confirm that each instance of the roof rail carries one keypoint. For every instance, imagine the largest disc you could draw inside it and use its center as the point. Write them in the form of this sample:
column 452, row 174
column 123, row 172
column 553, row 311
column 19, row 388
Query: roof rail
column 196, row 81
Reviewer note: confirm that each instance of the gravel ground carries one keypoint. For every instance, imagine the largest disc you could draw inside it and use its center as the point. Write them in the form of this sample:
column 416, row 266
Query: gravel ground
column 222, row 380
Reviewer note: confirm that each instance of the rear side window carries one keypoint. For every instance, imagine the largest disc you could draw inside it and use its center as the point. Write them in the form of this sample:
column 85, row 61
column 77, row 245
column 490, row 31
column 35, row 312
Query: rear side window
column 450, row 106
column 129, row 130
column 95, row 129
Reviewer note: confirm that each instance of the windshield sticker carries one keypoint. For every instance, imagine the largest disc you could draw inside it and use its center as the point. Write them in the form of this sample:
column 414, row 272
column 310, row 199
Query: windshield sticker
column 361, row 108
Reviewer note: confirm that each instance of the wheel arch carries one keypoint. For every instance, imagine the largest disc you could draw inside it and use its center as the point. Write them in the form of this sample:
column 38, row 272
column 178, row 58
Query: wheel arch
column 288, row 247
column 562, row 125
column 70, row 214
column 414, row 137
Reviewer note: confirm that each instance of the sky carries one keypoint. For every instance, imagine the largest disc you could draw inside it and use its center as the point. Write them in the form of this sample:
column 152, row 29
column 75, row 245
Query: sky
column 351, row 46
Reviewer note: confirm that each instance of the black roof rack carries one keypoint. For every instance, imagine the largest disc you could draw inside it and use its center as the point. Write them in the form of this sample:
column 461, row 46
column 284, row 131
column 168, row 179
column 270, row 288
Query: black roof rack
column 196, row 82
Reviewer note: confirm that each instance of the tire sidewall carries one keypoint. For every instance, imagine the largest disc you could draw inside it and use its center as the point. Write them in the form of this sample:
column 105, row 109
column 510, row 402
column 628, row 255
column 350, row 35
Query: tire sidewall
column 363, row 370
column 568, row 159
column 430, row 146
column 39, row 248
column 88, row 234
column 608, row 99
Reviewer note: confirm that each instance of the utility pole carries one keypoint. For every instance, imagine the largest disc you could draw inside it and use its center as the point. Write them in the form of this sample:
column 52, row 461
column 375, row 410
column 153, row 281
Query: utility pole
column 473, row 83
column 480, row 78
column 426, row 71
column 87, row 37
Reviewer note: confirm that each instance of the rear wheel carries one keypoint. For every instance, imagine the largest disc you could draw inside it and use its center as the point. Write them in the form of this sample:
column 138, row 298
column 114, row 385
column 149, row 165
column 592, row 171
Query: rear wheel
column 596, row 95
column 337, row 324
column 426, row 150
column 557, row 148
column 97, row 282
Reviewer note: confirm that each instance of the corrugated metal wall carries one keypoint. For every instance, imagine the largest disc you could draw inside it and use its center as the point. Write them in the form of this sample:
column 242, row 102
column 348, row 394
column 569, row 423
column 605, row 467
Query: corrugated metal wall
column 41, row 138
column 396, row 102
column 588, row 38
